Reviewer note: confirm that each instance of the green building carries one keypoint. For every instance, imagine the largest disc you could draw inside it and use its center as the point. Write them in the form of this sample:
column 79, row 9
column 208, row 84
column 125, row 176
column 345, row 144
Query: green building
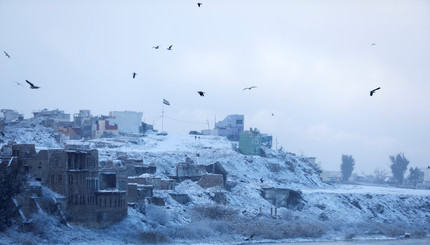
column 250, row 142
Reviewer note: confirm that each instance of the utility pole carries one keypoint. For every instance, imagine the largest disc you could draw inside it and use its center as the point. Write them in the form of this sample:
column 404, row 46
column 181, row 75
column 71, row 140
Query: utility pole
column 162, row 117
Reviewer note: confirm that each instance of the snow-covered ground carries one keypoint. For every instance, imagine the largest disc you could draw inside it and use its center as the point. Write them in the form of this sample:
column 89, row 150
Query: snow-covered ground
column 324, row 212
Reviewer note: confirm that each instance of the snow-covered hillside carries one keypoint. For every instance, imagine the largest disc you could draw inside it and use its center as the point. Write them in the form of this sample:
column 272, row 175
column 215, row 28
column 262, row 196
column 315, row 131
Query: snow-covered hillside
column 321, row 212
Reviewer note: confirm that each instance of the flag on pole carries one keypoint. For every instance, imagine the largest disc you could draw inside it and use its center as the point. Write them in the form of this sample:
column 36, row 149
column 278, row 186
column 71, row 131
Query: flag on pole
column 166, row 102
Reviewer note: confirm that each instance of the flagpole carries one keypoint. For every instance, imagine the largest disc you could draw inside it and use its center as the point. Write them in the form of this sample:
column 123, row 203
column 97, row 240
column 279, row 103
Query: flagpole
column 162, row 117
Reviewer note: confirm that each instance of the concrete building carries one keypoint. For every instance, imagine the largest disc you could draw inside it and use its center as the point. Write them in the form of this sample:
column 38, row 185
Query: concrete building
column 127, row 121
column 230, row 127
column 85, row 123
column 250, row 142
column 104, row 127
column 10, row 115
column 56, row 115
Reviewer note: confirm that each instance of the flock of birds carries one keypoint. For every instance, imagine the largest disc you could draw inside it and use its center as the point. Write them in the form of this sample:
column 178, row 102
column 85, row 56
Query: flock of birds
column 201, row 93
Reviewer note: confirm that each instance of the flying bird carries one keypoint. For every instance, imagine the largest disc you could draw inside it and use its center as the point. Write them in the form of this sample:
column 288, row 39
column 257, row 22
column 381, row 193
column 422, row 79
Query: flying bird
column 373, row 44
column 249, row 238
column 273, row 114
column 134, row 75
column 201, row 93
column 6, row 54
column 199, row 4
column 249, row 88
column 374, row 90
column 32, row 86
column 17, row 83
column 156, row 47
column 170, row 47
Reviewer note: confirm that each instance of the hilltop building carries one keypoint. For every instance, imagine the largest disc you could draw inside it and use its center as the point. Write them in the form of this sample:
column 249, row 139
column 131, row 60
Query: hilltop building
column 230, row 127
column 56, row 115
column 127, row 121
column 104, row 127
column 10, row 115
column 251, row 141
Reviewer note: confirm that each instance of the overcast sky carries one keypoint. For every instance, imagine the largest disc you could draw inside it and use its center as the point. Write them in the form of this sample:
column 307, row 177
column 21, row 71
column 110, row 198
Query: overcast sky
column 313, row 63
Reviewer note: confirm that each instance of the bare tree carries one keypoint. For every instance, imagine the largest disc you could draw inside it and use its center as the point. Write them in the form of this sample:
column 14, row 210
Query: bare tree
column 399, row 164
column 347, row 166
column 380, row 175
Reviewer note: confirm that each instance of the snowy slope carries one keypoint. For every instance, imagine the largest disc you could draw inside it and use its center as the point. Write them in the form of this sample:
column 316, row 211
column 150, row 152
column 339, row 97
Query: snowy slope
column 326, row 212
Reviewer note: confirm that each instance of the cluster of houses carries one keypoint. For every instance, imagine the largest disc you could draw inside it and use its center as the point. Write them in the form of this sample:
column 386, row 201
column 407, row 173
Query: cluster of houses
column 86, row 126
column 98, row 197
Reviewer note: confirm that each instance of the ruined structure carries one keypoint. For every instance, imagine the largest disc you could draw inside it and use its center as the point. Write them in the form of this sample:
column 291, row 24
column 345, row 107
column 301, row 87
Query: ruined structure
column 189, row 170
column 90, row 196
column 208, row 176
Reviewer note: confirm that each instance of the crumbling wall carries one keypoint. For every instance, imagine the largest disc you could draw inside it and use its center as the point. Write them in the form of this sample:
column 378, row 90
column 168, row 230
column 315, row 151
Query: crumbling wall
column 211, row 180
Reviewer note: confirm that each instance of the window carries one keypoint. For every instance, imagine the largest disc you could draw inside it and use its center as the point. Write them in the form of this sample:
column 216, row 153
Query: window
column 239, row 122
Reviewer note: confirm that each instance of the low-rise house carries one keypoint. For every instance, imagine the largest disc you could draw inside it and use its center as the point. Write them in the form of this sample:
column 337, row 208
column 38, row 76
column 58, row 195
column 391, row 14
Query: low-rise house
column 9, row 115
column 250, row 142
column 104, row 127
column 56, row 115
column 230, row 127
column 127, row 121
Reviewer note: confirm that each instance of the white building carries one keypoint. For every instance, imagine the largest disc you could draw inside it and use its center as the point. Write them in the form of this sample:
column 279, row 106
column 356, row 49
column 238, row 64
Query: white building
column 230, row 127
column 10, row 115
column 127, row 121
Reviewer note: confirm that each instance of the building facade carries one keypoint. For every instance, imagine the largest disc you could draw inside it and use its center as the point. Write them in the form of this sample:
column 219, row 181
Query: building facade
column 127, row 121
column 92, row 197
column 230, row 127
column 250, row 142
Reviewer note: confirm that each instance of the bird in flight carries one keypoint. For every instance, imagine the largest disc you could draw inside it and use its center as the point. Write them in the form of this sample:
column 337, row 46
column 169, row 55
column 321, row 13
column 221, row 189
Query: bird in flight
column 134, row 75
column 199, row 4
column 156, row 47
column 201, row 93
column 17, row 83
column 6, row 54
column 373, row 44
column 249, row 88
column 32, row 86
column 374, row 90
column 273, row 114
column 170, row 47
column 249, row 238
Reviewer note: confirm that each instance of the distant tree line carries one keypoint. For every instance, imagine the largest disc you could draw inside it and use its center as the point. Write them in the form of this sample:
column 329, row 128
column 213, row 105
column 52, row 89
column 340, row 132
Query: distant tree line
column 399, row 165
